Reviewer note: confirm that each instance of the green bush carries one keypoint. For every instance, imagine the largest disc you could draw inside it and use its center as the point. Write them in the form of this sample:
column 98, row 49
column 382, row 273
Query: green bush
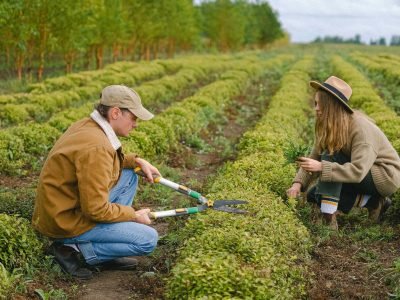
column 7, row 280
column 13, row 114
column 19, row 245
column 17, row 201
column 260, row 255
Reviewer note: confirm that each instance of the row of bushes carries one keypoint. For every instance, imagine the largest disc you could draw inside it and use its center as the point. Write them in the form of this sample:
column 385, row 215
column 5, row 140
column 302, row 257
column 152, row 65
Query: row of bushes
column 261, row 255
column 59, row 93
column 386, row 64
column 27, row 145
column 118, row 70
column 384, row 73
column 366, row 99
column 158, row 92
column 20, row 250
column 40, row 106
column 188, row 117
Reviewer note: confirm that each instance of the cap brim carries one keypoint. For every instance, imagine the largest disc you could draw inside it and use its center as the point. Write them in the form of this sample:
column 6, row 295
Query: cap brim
column 142, row 113
column 318, row 86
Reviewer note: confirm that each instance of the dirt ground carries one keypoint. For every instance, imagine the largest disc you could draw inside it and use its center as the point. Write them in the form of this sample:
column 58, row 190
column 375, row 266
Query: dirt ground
column 347, row 268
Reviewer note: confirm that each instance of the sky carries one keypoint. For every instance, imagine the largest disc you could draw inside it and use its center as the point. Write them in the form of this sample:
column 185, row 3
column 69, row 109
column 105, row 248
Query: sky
column 305, row 20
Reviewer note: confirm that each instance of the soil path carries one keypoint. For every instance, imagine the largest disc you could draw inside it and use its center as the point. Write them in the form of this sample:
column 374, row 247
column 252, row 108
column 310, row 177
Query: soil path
column 356, row 263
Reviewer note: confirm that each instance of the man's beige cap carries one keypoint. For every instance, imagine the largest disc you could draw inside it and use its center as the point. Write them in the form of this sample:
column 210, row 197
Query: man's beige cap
column 123, row 97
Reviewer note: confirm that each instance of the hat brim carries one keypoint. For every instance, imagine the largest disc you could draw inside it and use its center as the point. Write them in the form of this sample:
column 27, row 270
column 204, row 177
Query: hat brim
column 142, row 113
column 318, row 86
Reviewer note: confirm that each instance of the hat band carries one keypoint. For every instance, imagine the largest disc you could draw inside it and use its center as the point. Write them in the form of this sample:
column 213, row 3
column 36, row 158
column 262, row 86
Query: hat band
column 336, row 91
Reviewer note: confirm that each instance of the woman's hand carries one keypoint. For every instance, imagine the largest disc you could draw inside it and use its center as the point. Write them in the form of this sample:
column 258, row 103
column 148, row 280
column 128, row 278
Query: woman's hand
column 294, row 191
column 147, row 169
column 309, row 164
column 142, row 216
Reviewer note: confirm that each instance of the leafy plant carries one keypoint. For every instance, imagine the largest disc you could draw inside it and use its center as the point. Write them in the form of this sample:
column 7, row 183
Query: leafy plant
column 293, row 150
column 17, row 201
column 55, row 294
column 7, row 281
column 19, row 245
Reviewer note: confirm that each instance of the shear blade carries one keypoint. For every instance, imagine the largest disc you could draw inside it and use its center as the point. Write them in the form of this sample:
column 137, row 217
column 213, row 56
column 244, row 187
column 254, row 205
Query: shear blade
column 218, row 203
column 230, row 209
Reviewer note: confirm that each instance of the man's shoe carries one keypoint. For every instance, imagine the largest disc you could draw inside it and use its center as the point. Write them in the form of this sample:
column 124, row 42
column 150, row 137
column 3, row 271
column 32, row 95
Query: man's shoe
column 68, row 259
column 376, row 213
column 122, row 263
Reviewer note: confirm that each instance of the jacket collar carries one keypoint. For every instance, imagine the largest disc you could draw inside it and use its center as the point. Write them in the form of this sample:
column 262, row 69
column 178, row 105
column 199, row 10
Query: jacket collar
column 112, row 137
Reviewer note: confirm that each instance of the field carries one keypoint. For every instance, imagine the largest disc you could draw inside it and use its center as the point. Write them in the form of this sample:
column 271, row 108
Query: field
column 226, row 125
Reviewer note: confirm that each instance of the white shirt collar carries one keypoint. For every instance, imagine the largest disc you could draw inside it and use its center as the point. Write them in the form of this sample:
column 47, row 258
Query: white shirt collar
column 112, row 137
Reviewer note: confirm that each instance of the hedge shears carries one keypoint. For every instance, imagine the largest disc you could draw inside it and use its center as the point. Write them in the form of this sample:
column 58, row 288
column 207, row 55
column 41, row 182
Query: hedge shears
column 204, row 203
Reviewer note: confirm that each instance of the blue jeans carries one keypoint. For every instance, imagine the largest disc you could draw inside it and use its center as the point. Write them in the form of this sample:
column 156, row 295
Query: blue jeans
column 107, row 241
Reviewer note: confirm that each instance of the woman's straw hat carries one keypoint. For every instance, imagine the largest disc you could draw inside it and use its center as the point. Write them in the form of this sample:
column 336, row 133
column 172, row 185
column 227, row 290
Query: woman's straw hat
column 337, row 87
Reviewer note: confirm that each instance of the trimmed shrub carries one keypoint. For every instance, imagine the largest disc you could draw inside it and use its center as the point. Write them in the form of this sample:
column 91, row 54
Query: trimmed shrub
column 19, row 245
column 261, row 255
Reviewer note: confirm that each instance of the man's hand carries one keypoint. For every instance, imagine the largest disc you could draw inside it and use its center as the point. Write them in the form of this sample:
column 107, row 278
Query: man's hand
column 294, row 191
column 147, row 169
column 309, row 164
column 142, row 216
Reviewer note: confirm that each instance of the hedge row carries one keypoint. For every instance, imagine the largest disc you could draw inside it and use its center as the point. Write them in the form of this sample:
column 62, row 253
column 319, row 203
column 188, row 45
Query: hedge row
column 157, row 92
column 56, row 94
column 261, row 255
column 20, row 250
column 387, row 64
column 40, row 106
column 366, row 99
column 188, row 117
column 384, row 72
column 105, row 76
column 27, row 145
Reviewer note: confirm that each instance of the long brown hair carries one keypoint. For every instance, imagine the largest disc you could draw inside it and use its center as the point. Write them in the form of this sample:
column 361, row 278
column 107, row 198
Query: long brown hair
column 332, row 126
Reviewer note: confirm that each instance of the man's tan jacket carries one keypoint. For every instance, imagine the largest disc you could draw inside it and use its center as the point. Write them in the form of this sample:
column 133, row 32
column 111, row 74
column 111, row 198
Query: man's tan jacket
column 73, row 189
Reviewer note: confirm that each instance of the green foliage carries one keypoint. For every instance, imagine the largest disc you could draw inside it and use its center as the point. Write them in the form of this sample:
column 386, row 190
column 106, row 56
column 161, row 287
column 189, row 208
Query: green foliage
column 232, row 24
column 187, row 118
column 394, row 278
column 11, row 153
column 17, row 201
column 51, row 294
column 259, row 255
column 196, row 142
column 373, row 233
column 82, row 31
column 12, row 114
column 293, row 150
column 19, row 245
column 27, row 145
column 7, row 281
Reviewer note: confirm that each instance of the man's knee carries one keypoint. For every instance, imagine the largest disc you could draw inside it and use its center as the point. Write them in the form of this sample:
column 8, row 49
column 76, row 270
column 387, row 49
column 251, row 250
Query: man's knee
column 148, row 242
column 132, row 177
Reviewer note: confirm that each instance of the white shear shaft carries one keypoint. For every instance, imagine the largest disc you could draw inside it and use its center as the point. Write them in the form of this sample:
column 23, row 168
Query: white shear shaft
column 170, row 184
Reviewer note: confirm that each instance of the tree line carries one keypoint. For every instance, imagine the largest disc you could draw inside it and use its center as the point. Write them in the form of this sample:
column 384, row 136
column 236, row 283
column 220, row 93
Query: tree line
column 394, row 41
column 34, row 31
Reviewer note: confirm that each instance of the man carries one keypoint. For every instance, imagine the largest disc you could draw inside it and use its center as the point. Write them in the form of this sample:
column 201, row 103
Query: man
column 86, row 188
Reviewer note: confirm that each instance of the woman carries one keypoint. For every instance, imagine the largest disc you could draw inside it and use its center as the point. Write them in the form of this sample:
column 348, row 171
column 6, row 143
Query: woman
column 352, row 159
